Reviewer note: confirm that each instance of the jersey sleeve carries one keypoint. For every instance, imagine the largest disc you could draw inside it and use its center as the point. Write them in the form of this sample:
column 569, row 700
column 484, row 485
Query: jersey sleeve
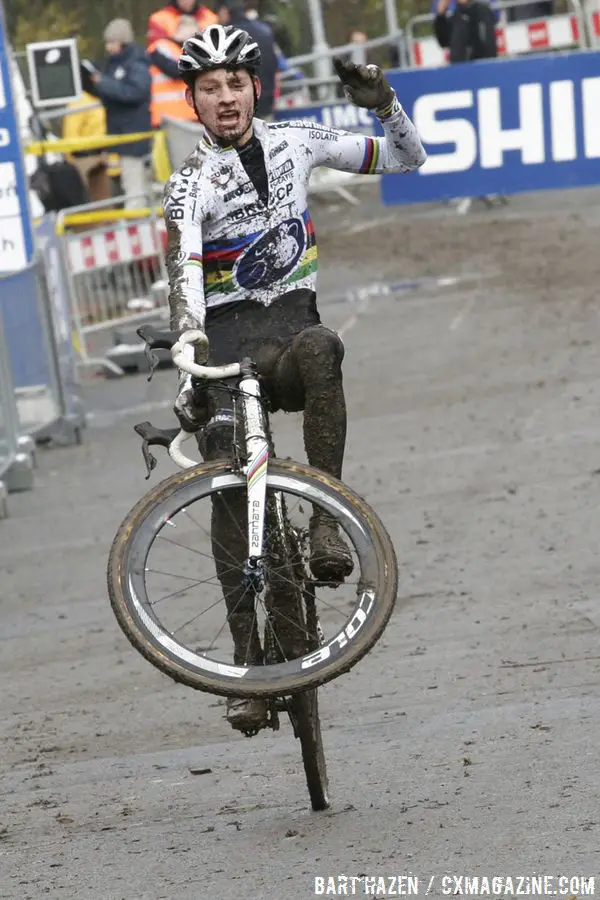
column 183, row 214
column 399, row 150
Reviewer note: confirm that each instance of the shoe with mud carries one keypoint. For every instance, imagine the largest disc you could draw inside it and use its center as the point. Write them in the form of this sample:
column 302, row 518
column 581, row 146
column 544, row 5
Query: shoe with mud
column 330, row 557
column 247, row 715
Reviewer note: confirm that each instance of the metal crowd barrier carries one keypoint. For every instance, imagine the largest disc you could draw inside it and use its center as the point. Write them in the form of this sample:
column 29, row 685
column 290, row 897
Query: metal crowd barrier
column 116, row 273
column 39, row 353
column 323, row 88
column 16, row 453
column 558, row 31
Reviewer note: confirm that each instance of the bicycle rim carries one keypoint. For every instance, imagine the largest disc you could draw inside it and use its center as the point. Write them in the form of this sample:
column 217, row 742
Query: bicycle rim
column 374, row 588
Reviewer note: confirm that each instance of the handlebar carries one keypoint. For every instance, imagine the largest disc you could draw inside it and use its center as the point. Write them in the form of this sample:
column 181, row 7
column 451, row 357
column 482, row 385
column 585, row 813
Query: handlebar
column 176, row 342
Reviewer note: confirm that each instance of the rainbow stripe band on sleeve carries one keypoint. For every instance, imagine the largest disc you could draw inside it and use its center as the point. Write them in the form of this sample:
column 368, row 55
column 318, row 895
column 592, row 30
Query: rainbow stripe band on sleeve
column 391, row 109
column 371, row 157
column 194, row 259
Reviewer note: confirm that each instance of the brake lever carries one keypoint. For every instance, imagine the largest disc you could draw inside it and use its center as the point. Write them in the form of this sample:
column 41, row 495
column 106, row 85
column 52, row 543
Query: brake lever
column 156, row 339
column 153, row 436
column 152, row 360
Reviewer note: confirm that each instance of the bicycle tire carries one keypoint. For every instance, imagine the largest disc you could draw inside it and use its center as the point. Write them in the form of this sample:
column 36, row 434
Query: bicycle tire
column 303, row 710
column 331, row 660
column 298, row 617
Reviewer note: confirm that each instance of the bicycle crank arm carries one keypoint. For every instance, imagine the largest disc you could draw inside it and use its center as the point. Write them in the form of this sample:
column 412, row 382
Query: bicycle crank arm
column 153, row 436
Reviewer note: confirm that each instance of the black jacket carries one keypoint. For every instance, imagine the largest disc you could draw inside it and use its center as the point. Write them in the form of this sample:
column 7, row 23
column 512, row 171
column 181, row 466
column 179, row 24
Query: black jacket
column 263, row 36
column 470, row 32
column 124, row 90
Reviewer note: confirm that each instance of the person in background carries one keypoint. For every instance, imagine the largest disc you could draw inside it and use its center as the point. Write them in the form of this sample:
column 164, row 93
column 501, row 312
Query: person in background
column 358, row 54
column 233, row 12
column 251, row 8
column 165, row 21
column 281, row 33
column 468, row 29
column 86, row 118
column 123, row 86
column 168, row 91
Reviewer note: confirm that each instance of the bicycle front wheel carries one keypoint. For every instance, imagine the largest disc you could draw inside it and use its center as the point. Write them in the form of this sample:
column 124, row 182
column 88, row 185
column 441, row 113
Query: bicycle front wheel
column 182, row 628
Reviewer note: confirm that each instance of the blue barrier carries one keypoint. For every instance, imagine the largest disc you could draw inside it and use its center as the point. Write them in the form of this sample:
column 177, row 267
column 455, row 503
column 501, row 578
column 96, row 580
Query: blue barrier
column 24, row 329
column 16, row 235
column 501, row 127
column 331, row 115
column 34, row 308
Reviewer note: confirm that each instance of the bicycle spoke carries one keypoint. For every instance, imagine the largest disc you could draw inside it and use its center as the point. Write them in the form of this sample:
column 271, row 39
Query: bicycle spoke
column 204, row 611
column 276, row 615
column 234, row 520
column 269, row 624
column 299, row 628
column 252, row 626
column 195, row 582
column 168, row 574
column 205, row 530
column 209, row 535
column 229, row 614
column 182, row 591
column 331, row 606
column 161, row 537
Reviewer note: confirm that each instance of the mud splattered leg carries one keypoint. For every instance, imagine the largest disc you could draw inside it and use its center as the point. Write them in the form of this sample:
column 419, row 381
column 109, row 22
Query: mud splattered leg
column 309, row 376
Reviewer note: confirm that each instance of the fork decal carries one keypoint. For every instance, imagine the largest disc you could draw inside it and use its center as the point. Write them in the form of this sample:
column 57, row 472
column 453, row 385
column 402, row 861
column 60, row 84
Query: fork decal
column 257, row 467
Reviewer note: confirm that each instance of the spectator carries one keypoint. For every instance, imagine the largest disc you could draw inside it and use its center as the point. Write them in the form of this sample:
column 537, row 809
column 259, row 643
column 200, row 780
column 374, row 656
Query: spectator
column 86, row 118
column 251, row 8
column 358, row 53
column 124, row 89
column 281, row 33
column 469, row 32
column 164, row 22
column 233, row 12
column 168, row 91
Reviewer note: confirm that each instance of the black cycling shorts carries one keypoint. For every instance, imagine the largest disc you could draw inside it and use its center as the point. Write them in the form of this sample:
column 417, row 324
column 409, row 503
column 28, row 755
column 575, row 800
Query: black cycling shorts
column 249, row 329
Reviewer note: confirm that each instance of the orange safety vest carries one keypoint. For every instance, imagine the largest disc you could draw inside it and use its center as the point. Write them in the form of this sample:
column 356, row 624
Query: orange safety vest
column 163, row 23
column 168, row 94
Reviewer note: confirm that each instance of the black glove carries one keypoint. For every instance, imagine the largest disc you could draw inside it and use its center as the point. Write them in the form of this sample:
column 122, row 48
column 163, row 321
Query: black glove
column 364, row 85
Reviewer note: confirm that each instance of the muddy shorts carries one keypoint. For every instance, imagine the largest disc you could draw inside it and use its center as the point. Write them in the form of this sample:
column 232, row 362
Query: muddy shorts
column 248, row 329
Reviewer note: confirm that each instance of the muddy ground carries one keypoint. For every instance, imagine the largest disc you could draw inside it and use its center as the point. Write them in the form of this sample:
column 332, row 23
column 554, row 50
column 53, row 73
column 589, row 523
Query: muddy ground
column 467, row 741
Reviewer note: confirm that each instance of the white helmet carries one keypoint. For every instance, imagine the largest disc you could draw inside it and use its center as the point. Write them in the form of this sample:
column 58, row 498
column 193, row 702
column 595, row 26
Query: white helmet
column 218, row 46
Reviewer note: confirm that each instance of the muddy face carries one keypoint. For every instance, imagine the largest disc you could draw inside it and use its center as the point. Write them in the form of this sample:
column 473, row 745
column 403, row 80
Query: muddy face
column 224, row 103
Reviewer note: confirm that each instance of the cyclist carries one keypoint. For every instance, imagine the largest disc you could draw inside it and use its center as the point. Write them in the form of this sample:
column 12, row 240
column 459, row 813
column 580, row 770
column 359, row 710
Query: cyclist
column 242, row 260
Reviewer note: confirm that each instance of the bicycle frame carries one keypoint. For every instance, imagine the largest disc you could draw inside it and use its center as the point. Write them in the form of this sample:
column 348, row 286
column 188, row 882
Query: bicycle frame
column 257, row 446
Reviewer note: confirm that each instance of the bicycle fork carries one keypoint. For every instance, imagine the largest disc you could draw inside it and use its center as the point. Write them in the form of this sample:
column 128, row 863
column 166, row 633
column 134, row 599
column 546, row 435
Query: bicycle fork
column 257, row 450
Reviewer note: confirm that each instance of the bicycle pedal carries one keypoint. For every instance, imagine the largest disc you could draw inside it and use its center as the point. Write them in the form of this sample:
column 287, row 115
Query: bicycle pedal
column 250, row 732
column 274, row 717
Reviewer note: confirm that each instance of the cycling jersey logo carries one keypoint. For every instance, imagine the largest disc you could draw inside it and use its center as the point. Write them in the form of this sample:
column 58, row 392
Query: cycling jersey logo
column 222, row 176
column 272, row 257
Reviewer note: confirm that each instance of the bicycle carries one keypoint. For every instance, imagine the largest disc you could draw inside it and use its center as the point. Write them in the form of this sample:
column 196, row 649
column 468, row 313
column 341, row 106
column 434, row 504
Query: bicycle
column 302, row 647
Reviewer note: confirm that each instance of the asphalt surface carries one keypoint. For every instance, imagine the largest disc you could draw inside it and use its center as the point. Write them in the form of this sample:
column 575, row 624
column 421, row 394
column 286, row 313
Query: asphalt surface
column 466, row 742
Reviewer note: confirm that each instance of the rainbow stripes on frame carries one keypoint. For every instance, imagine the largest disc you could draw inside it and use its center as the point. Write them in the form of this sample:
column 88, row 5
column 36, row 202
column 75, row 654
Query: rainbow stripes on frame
column 258, row 468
